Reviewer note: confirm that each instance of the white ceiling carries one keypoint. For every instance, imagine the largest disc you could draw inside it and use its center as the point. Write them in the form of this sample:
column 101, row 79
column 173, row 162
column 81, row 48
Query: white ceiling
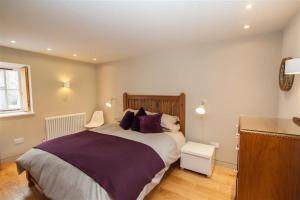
column 112, row 30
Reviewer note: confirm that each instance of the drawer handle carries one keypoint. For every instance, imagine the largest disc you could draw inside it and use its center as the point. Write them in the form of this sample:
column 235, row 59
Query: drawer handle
column 237, row 135
column 237, row 148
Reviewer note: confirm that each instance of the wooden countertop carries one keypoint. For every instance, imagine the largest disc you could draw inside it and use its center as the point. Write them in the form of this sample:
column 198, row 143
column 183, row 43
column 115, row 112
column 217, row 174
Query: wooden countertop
column 269, row 125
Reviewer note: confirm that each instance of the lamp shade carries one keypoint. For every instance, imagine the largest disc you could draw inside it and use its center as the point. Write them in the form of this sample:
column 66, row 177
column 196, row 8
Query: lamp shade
column 66, row 84
column 200, row 110
column 108, row 104
column 292, row 66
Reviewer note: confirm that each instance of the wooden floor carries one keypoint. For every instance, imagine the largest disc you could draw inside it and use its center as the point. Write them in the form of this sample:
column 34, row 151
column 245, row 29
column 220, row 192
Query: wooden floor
column 178, row 184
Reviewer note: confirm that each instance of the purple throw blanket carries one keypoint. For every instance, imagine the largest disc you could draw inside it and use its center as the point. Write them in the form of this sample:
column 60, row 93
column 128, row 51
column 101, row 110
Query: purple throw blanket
column 121, row 166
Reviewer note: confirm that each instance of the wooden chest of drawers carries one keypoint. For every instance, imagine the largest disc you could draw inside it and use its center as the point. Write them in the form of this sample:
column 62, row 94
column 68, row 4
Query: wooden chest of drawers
column 268, row 159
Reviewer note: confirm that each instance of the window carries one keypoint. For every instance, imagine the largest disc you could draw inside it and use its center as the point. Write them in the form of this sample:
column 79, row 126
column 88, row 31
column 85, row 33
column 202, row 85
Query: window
column 15, row 94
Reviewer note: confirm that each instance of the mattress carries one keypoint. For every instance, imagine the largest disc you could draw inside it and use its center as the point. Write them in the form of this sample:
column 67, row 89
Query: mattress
column 60, row 180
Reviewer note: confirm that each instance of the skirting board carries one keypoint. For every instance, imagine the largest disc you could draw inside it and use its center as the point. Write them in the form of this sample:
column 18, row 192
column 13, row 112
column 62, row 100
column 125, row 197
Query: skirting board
column 9, row 159
column 226, row 164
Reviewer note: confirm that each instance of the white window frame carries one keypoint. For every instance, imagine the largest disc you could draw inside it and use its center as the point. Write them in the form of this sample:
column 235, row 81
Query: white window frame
column 18, row 112
column 6, row 89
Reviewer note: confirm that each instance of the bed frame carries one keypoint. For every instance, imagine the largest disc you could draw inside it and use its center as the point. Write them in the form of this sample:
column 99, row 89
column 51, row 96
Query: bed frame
column 172, row 105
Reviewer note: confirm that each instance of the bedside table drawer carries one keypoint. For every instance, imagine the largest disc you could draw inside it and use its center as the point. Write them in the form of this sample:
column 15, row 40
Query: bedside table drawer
column 196, row 163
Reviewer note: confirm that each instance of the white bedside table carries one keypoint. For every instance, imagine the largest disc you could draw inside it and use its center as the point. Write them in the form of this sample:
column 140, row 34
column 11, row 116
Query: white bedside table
column 198, row 157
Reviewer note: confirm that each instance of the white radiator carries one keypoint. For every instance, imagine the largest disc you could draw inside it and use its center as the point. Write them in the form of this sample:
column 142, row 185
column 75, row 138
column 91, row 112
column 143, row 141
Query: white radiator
column 58, row 126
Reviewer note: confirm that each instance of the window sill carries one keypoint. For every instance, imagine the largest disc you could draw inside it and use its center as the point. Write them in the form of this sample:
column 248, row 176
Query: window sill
column 15, row 114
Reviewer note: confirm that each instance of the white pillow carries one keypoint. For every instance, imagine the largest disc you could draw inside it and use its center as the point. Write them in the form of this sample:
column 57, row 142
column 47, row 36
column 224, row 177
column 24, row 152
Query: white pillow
column 170, row 122
column 119, row 119
column 131, row 110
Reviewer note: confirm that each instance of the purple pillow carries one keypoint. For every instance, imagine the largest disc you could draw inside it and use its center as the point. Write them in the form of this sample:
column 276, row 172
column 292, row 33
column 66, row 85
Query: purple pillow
column 127, row 120
column 135, row 126
column 150, row 124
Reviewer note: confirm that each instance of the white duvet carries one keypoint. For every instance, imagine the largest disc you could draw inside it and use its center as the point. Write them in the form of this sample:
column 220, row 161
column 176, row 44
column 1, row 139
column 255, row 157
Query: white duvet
column 60, row 180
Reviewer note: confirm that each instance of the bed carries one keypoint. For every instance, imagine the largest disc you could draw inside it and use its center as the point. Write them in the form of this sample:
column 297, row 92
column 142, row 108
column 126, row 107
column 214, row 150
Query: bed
column 58, row 179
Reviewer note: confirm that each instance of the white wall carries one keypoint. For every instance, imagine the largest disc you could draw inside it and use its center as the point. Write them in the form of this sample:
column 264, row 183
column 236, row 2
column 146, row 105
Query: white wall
column 49, row 98
column 236, row 77
column 289, row 102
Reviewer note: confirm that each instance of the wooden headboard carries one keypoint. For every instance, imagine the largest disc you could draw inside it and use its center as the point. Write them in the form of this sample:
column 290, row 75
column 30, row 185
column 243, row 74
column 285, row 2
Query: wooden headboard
column 172, row 105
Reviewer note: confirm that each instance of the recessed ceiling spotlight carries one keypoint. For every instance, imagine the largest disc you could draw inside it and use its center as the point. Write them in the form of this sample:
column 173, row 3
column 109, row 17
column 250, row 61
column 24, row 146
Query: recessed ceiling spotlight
column 13, row 41
column 74, row 54
column 249, row 6
column 94, row 59
column 246, row 26
column 49, row 49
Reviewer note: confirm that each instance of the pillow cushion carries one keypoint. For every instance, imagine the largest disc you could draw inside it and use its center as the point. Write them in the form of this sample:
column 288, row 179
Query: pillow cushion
column 170, row 122
column 135, row 126
column 131, row 110
column 120, row 117
column 150, row 124
column 127, row 120
column 173, row 128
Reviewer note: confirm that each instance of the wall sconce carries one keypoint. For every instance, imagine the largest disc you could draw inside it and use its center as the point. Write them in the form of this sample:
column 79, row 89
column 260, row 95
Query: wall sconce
column 292, row 66
column 288, row 68
column 66, row 84
column 109, row 103
column 200, row 110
